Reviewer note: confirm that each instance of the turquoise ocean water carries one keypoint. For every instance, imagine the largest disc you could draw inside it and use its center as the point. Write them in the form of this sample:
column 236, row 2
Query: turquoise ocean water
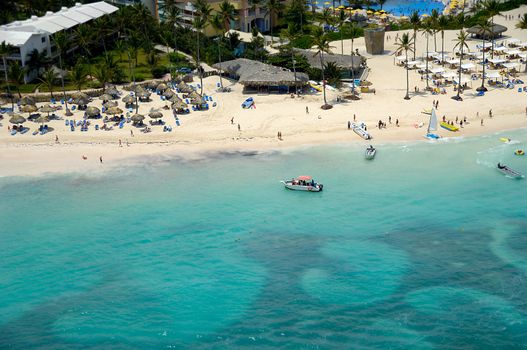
column 423, row 248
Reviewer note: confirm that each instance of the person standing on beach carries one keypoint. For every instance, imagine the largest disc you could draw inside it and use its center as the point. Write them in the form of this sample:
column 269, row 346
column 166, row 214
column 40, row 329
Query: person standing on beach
column 239, row 127
column 232, row 121
column 56, row 138
column 354, row 118
column 389, row 119
column 490, row 113
column 132, row 133
column 120, row 143
column 100, row 159
column 397, row 122
column 307, row 110
column 481, row 121
column 349, row 125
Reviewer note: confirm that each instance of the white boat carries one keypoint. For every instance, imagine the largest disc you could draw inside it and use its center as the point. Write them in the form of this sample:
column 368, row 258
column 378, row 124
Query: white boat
column 509, row 172
column 303, row 183
column 370, row 152
column 432, row 126
column 360, row 129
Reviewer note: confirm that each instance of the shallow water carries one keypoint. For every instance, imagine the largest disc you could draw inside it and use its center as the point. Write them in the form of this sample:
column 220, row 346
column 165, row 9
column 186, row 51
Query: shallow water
column 397, row 7
column 423, row 248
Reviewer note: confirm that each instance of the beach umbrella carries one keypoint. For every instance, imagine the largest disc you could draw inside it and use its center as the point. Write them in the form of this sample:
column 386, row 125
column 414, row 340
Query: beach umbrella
column 42, row 119
column 17, row 119
column 27, row 101
column 28, row 108
column 162, row 87
column 105, row 97
column 113, row 92
column 92, row 111
column 110, row 104
column 137, row 118
column 47, row 109
column 79, row 94
column 81, row 101
column 168, row 93
column 179, row 105
column 144, row 95
column 114, row 110
column 129, row 99
column 155, row 115
column 174, row 98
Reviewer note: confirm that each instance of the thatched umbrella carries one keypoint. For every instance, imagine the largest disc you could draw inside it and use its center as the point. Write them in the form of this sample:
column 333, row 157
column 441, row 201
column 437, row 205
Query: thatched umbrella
column 137, row 88
column 178, row 105
column 28, row 108
column 42, row 119
column 144, row 95
column 137, row 118
column 81, row 101
column 152, row 84
column 17, row 119
column 168, row 93
column 155, row 115
column 26, row 100
column 79, row 94
column 162, row 87
column 114, row 111
column 174, row 99
column 47, row 109
column 113, row 92
column 109, row 104
column 183, row 87
column 92, row 111
column 106, row 97
column 129, row 99
column 194, row 95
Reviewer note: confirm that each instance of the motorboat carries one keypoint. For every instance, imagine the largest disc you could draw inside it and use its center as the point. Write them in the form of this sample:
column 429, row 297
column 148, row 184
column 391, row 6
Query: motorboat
column 360, row 129
column 370, row 152
column 303, row 183
column 509, row 172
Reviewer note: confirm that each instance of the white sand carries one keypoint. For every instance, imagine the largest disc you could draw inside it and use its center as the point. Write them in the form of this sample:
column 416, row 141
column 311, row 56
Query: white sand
column 212, row 130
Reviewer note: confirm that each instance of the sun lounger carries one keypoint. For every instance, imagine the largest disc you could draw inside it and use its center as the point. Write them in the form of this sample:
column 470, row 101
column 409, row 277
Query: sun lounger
column 23, row 131
column 67, row 122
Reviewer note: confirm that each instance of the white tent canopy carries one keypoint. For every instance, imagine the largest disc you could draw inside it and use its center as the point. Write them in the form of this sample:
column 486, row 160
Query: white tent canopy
column 492, row 75
column 437, row 70
column 453, row 61
column 497, row 60
column 464, row 79
column 449, row 74
column 510, row 65
column 467, row 66
column 500, row 48
column 513, row 52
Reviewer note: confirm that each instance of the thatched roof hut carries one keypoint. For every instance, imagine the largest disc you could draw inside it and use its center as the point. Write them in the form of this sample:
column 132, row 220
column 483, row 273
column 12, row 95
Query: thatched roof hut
column 168, row 93
column 143, row 96
column 494, row 32
column 81, row 101
column 174, row 98
column 92, row 111
column 128, row 99
column 109, row 104
column 257, row 74
column 26, row 100
column 342, row 61
column 179, row 105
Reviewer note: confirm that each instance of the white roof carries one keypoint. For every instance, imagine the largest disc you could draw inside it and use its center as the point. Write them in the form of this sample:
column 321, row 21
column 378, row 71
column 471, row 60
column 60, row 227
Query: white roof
column 492, row 75
column 449, row 74
column 413, row 63
column 64, row 19
column 513, row 40
column 523, row 44
column 513, row 52
column 500, row 48
column 15, row 38
column 510, row 65
column 437, row 70
column 453, row 61
column 497, row 60
column 467, row 65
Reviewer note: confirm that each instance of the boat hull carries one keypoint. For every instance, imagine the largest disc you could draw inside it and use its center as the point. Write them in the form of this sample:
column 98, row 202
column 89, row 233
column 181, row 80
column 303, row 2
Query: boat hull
column 449, row 127
column 510, row 173
column 290, row 186
column 370, row 154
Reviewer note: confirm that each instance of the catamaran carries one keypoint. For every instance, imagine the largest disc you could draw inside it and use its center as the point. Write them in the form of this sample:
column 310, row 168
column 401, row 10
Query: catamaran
column 432, row 126
column 303, row 183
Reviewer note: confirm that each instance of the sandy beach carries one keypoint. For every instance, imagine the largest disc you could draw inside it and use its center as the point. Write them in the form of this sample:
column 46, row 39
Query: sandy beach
column 212, row 130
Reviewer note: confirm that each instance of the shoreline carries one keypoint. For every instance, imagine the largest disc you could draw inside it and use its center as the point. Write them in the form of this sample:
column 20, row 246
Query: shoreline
column 52, row 159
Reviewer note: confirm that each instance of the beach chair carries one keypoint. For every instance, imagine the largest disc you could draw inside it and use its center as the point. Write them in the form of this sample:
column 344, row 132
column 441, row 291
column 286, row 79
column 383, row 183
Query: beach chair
column 213, row 104
column 73, row 108
column 67, row 122
column 480, row 93
column 97, row 127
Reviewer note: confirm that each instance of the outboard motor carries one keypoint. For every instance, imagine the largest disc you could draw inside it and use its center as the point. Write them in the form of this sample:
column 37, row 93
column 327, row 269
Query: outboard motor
column 321, row 186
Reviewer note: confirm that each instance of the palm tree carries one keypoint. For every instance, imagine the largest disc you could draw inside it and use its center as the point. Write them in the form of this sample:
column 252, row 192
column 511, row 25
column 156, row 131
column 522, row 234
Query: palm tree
column 48, row 79
column 227, row 14
column 101, row 27
column 37, row 60
column 321, row 44
column 120, row 47
column 415, row 21
column 290, row 34
column 61, row 42
column 381, row 2
column 341, row 20
column 442, row 24
column 5, row 50
column 427, row 30
column 483, row 28
column 461, row 43
column 434, row 18
column 173, row 18
column 16, row 75
column 84, row 35
column 522, row 24
column 354, row 33
column 218, row 25
column 273, row 7
column 78, row 76
column 201, row 20
column 493, row 9
column 405, row 44
column 103, row 74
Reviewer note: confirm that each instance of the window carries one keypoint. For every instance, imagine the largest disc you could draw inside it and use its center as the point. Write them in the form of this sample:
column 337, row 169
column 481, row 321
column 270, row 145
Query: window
column 43, row 39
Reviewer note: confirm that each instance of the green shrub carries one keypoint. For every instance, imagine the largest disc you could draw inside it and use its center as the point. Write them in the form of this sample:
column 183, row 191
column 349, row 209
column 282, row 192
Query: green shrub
column 159, row 71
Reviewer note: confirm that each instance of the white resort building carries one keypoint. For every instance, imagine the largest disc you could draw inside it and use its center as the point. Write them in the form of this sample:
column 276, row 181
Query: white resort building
column 35, row 32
